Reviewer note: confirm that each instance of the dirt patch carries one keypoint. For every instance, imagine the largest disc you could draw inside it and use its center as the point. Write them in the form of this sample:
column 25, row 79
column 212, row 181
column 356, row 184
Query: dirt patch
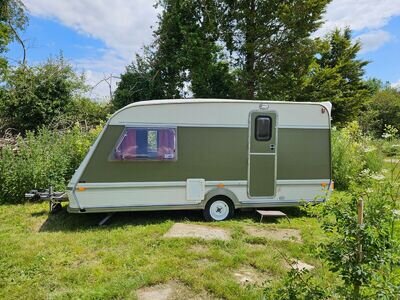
column 159, row 291
column 256, row 246
column 182, row 230
column 199, row 249
column 38, row 224
column 299, row 265
column 171, row 290
column 203, row 262
column 274, row 234
column 248, row 275
column 392, row 160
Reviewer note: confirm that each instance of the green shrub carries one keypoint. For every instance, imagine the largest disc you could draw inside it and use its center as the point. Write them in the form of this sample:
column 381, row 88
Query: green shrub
column 353, row 152
column 34, row 96
column 45, row 159
column 362, row 241
column 391, row 148
column 365, row 254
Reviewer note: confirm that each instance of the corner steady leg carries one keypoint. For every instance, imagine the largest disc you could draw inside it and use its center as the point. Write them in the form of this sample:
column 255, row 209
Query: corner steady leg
column 105, row 219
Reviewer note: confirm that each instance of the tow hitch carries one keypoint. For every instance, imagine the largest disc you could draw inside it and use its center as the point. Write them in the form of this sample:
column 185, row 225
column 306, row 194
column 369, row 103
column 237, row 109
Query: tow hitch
column 54, row 198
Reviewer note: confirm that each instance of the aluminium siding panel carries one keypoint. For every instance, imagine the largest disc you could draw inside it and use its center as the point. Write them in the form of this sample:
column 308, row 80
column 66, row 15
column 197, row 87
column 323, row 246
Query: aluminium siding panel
column 209, row 153
column 304, row 154
column 214, row 154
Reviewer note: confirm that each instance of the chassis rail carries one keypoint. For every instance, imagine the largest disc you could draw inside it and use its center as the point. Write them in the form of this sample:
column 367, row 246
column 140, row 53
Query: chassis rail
column 55, row 198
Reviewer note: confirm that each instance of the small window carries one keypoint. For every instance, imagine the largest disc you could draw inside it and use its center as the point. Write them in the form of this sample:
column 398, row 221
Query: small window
column 263, row 128
column 146, row 144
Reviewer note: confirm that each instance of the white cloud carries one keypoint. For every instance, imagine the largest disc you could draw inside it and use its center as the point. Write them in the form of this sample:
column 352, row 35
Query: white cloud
column 359, row 15
column 124, row 26
column 373, row 40
column 396, row 85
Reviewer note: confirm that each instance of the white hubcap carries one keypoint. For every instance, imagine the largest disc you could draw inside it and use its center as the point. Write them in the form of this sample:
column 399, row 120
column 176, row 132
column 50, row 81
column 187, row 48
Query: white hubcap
column 219, row 210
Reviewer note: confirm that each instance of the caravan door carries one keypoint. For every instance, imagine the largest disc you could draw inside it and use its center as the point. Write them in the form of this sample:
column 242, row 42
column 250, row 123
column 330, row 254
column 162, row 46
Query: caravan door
column 262, row 154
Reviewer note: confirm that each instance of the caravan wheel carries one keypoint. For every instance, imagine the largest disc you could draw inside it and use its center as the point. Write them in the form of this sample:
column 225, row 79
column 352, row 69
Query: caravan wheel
column 218, row 209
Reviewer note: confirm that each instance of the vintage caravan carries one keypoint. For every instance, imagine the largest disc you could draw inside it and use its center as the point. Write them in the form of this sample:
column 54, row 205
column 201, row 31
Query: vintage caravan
column 208, row 154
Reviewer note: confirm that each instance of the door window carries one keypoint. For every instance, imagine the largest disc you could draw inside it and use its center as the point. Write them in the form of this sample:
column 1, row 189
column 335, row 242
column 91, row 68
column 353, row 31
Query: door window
column 263, row 126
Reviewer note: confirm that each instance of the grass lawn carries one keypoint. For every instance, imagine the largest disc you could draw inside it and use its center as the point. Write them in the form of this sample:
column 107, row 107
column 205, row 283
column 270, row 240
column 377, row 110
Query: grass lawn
column 68, row 256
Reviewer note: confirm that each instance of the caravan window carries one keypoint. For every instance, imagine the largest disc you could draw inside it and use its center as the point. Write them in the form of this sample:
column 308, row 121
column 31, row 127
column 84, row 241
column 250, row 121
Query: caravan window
column 146, row 144
column 263, row 128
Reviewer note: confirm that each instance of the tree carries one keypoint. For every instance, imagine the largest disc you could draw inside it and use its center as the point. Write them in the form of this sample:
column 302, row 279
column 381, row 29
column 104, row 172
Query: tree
column 336, row 75
column 383, row 108
column 375, row 85
column 34, row 96
column 270, row 44
column 183, row 60
column 12, row 20
column 141, row 81
column 248, row 49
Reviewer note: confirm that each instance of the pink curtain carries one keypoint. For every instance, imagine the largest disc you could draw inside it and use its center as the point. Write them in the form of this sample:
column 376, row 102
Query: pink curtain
column 127, row 148
column 166, row 145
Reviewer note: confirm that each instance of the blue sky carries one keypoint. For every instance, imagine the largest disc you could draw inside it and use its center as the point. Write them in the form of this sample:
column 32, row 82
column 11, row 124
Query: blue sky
column 100, row 39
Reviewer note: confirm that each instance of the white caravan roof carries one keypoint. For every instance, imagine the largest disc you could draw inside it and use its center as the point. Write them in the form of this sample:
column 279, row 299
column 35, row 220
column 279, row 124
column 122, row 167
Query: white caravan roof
column 221, row 113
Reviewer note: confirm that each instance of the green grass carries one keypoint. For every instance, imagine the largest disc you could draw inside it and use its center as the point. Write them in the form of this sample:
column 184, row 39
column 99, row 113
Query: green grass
column 67, row 256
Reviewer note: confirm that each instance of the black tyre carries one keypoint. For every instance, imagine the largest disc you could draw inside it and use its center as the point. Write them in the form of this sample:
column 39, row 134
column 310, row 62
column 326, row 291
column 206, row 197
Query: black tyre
column 219, row 209
column 55, row 208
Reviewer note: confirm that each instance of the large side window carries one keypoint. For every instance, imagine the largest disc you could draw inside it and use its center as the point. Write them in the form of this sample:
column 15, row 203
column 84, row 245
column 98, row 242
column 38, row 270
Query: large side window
column 263, row 128
column 146, row 144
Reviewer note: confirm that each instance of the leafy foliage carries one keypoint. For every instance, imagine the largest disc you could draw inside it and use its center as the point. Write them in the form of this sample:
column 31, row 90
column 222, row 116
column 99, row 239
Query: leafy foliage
column 270, row 44
column 183, row 60
column 140, row 82
column 352, row 152
column 40, row 160
column 336, row 76
column 33, row 96
column 298, row 284
column 12, row 19
column 83, row 111
column 363, row 253
column 382, row 109
column 248, row 50
column 224, row 49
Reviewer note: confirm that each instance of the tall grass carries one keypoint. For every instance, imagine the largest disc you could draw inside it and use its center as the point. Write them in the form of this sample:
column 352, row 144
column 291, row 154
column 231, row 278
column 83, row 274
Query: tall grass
column 47, row 158
column 353, row 152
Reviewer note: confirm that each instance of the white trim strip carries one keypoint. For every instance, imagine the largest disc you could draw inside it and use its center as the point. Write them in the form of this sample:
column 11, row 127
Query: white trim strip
column 105, row 185
column 302, row 127
column 177, row 124
column 227, row 183
column 307, row 181
column 262, row 153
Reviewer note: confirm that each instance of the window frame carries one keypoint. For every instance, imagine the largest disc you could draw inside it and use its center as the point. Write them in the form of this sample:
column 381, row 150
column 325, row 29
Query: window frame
column 256, row 127
column 148, row 128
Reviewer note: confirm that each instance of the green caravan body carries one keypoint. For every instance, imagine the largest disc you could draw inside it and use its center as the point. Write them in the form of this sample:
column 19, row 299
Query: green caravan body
column 215, row 155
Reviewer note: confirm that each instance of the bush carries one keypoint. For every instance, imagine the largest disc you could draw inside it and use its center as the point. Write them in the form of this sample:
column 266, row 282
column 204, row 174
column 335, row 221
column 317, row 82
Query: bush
column 84, row 111
column 352, row 152
column 365, row 253
column 362, row 241
column 381, row 110
column 48, row 158
column 33, row 96
column 391, row 148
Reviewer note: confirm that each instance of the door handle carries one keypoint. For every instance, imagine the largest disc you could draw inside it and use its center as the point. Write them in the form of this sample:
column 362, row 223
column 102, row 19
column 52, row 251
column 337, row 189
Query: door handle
column 272, row 147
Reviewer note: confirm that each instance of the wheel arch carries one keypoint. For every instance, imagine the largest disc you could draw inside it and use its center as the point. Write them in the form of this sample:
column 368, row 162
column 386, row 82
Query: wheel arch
column 221, row 192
